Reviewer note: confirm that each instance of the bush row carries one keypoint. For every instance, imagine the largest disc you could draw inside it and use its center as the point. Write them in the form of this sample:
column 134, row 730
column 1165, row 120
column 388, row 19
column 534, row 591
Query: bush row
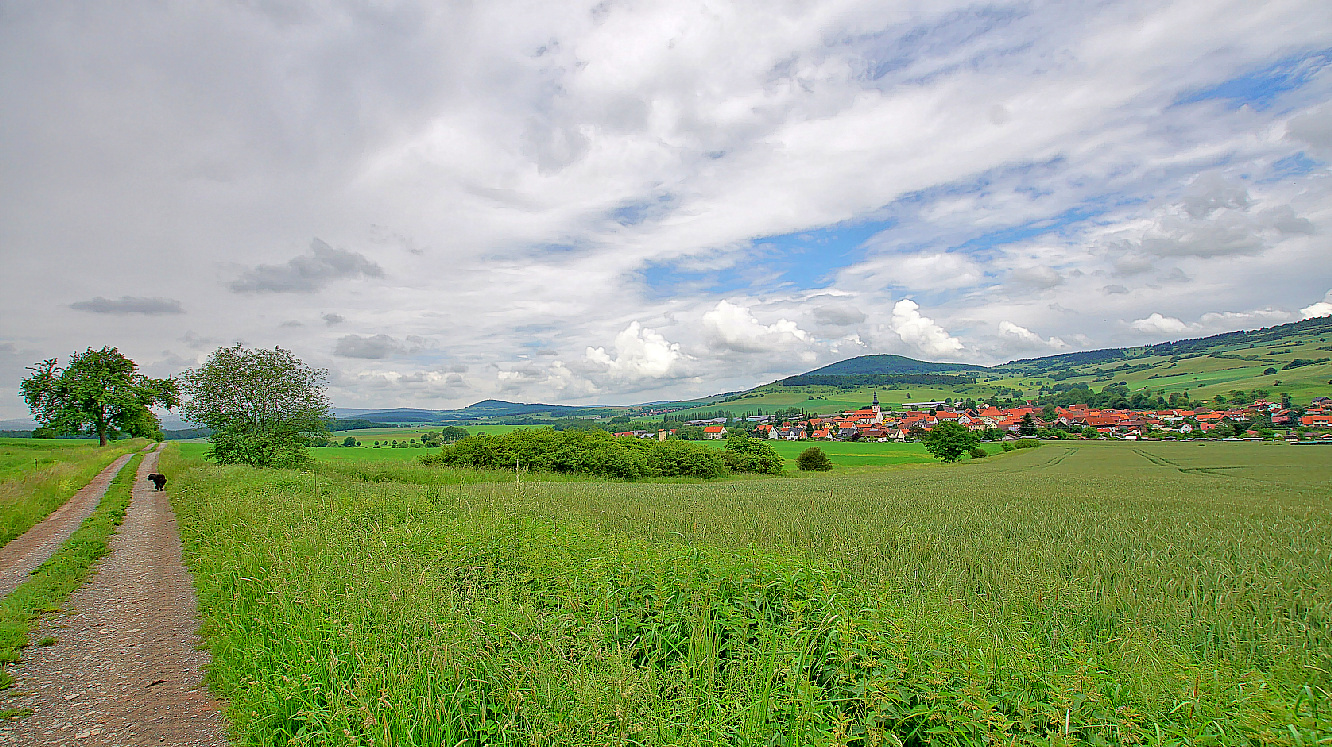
column 601, row 454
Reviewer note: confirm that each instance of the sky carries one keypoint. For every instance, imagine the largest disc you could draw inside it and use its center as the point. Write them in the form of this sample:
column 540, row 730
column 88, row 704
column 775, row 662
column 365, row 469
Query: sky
column 617, row 202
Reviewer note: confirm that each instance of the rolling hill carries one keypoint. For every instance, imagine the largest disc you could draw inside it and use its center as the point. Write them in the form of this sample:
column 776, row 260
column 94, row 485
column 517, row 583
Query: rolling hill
column 1293, row 359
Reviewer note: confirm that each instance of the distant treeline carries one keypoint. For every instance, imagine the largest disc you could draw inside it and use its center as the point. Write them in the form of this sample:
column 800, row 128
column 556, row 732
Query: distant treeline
column 600, row 454
column 859, row 381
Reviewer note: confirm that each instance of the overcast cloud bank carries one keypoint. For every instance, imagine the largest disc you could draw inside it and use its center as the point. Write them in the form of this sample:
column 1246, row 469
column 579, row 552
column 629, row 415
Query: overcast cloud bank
column 616, row 202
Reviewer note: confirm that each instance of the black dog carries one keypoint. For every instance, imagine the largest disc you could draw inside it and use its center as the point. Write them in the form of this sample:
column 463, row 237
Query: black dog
column 158, row 481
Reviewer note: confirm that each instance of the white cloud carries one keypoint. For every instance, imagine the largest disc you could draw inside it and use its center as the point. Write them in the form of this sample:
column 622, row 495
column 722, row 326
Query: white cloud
column 1157, row 324
column 639, row 353
column 1031, row 339
column 1320, row 308
column 921, row 332
column 733, row 327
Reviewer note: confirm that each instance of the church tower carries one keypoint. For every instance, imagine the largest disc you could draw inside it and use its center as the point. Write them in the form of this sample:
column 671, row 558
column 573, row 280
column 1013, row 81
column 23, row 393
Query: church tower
column 878, row 416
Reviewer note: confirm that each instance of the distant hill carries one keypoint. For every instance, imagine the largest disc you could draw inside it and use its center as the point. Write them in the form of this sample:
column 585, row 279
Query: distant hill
column 490, row 408
column 889, row 365
column 898, row 366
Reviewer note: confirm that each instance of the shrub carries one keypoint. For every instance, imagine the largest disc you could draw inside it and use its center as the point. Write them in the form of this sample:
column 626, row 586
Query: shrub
column 977, row 452
column 813, row 459
column 745, row 454
column 586, row 452
column 1007, row 446
column 1026, row 443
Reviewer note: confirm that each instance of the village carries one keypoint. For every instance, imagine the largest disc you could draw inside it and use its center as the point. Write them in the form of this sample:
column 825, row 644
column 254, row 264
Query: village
column 872, row 423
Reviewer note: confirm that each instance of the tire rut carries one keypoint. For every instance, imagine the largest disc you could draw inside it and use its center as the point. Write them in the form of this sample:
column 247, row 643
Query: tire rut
column 126, row 668
column 25, row 553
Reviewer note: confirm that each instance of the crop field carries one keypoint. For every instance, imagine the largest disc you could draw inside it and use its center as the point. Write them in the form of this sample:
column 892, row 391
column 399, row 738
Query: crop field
column 854, row 454
column 38, row 475
column 1073, row 594
column 842, row 454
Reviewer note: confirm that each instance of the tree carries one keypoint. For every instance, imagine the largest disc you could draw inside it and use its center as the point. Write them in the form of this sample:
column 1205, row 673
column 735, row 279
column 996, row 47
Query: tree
column 1028, row 426
column 814, row 459
column 948, row 441
column 99, row 393
column 350, row 441
column 263, row 405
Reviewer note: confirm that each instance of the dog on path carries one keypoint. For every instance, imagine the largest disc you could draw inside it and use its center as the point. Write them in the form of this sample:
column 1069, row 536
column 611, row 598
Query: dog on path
column 158, row 481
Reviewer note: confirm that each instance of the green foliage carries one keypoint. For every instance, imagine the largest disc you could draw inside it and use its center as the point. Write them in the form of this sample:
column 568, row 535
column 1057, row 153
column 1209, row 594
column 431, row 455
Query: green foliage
column 948, row 441
column 350, row 441
column 587, row 452
column 1026, row 443
column 451, row 433
column 689, row 432
column 1103, row 594
column 747, row 454
column 977, row 452
column 99, row 393
column 264, row 406
column 813, row 459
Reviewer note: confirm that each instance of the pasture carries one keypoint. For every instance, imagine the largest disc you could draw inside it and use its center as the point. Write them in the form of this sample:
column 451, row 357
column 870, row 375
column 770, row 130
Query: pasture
column 1080, row 593
column 37, row 476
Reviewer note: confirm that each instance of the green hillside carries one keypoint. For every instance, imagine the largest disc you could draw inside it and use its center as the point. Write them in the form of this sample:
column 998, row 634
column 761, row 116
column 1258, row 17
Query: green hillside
column 1292, row 359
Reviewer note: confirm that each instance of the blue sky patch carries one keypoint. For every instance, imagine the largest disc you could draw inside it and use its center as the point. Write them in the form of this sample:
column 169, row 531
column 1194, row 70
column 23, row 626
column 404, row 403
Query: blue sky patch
column 1260, row 88
column 806, row 259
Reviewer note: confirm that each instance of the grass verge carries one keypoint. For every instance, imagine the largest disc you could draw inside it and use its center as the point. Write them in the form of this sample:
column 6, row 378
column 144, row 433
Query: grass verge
column 55, row 579
column 28, row 494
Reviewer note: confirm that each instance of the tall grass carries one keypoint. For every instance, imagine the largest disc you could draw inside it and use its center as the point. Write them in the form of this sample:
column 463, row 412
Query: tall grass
column 1089, row 594
column 38, row 476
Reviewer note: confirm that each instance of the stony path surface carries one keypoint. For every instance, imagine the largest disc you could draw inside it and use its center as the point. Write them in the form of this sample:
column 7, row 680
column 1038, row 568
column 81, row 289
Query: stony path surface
column 125, row 669
column 25, row 553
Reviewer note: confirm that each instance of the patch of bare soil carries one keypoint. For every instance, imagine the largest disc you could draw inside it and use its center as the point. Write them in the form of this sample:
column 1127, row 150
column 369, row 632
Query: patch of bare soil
column 25, row 553
column 126, row 668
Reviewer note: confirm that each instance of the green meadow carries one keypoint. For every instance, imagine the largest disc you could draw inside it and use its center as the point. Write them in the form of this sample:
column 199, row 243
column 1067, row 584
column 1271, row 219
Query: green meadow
column 1084, row 593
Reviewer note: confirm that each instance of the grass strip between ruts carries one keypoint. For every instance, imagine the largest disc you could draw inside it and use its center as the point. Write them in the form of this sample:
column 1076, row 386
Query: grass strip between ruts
column 64, row 572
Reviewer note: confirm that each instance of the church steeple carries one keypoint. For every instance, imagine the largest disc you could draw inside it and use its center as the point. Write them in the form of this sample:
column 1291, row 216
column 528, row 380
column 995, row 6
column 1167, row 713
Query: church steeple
column 876, row 399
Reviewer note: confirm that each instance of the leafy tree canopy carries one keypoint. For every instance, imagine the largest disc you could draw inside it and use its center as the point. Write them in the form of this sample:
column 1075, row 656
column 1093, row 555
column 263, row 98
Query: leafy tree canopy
column 263, row 405
column 99, row 393
column 948, row 441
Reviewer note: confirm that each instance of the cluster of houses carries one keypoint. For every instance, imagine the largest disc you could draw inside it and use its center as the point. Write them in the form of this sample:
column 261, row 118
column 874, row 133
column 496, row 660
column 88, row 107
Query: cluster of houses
column 872, row 423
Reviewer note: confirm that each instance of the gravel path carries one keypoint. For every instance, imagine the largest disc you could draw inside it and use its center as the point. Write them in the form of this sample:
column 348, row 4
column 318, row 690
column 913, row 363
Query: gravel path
column 25, row 553
column 125, row 669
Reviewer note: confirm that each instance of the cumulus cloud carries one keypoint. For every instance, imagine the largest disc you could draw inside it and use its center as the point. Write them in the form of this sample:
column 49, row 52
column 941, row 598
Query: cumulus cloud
column 130, row 305
column 1157, row 324
column 639, row 353
column 331, row 319
column 1320, row 308
column 921, row 332
column 307, row 273
column 733, row 327
column 1028, row 338
column 371, row 348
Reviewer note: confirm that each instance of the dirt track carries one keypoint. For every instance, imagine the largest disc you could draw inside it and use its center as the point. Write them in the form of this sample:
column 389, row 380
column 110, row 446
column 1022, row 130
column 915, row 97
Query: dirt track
column 125, row 669
column 25, row 553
